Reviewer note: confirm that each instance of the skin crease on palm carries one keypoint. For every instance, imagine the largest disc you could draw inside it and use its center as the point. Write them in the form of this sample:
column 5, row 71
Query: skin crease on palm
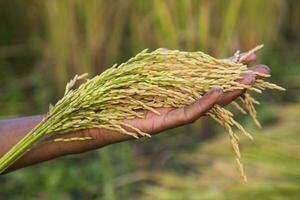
column 152, row 124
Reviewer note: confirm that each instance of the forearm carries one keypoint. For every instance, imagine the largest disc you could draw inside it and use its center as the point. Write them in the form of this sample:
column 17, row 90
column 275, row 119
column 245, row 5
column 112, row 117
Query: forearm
column 13, row 130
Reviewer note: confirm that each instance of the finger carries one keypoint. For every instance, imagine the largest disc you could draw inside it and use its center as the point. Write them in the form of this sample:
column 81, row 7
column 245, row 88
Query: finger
column 247, row 79
column 192, row 112
column 250, row 59
column 260, row 68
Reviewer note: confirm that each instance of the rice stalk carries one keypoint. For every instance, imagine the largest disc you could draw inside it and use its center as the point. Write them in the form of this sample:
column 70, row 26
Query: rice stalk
column 150, row 80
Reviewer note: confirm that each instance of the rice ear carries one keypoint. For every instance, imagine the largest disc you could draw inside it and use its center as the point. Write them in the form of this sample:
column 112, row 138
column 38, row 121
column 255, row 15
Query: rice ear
column 150, row 80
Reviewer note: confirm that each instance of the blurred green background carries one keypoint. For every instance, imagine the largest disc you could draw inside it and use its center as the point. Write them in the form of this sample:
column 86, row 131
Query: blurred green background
column 44, row 43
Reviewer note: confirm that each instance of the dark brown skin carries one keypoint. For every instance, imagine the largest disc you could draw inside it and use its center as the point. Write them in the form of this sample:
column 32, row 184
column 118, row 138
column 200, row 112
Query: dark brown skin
column 12, row 130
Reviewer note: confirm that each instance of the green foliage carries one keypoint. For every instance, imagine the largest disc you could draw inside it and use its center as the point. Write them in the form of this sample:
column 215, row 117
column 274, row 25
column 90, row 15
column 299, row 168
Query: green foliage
column 83, row 176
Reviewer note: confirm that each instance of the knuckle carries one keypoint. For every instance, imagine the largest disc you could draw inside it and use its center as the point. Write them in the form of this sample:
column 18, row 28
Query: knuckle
column 188, row 116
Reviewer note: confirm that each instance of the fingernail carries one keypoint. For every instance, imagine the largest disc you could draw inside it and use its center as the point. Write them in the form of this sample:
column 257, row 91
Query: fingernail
column 261, row 68
column 252, row 57
column 248, row 80
column 217, row 89
column 265, row 67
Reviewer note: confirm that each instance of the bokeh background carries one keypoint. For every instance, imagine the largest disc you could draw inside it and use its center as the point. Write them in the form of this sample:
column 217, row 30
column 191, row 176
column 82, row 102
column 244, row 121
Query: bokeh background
column 44, row 43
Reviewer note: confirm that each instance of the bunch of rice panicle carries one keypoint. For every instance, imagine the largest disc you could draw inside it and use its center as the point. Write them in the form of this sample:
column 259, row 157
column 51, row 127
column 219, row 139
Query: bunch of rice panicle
column 162, row 78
